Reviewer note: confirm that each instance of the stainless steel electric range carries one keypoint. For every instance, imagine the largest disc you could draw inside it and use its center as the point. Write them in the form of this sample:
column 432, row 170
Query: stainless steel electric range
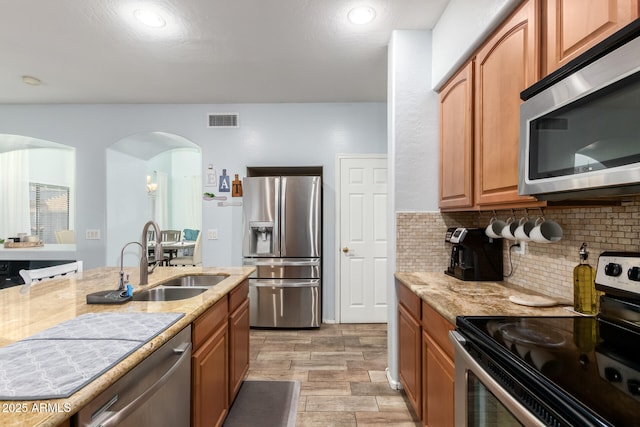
column 555, row 371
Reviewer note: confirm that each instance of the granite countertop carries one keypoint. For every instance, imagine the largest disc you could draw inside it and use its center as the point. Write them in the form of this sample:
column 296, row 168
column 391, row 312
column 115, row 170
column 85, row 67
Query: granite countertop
column 452, row 297
column 52, row 302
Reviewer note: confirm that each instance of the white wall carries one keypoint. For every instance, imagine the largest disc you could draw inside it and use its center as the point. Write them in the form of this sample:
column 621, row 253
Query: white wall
column 460, row 30
column 269, row 135
column 126, row 208
column 182, row 195
column 413, row 148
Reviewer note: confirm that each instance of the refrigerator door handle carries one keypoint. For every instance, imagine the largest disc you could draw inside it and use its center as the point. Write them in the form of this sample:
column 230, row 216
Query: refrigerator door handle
column 314, row 306
column 277, row 249
column 283, row 217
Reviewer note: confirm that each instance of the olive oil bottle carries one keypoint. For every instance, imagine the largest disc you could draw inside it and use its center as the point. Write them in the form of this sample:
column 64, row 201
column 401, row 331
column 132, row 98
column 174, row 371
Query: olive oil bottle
column 585, row 298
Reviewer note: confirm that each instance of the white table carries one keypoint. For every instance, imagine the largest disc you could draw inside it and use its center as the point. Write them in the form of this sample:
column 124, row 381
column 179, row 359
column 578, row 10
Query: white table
column 172, row 248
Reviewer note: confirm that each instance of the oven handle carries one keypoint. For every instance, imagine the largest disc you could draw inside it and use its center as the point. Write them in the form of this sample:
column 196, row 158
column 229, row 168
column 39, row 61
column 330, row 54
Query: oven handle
column 463, row 360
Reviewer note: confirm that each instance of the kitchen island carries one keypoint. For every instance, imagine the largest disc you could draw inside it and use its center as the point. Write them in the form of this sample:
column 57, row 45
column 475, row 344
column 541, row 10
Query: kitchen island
column 55, row 301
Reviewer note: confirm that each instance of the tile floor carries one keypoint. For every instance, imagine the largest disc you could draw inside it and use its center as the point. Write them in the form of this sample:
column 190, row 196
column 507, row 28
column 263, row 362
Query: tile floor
column 341, row 369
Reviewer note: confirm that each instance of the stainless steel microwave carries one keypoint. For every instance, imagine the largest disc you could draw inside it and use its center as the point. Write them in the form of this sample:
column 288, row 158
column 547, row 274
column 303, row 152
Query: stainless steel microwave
column 580, row 132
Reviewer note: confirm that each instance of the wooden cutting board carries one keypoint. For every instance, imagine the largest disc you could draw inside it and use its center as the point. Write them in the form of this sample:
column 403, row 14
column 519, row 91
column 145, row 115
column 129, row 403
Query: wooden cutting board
column 533, row 300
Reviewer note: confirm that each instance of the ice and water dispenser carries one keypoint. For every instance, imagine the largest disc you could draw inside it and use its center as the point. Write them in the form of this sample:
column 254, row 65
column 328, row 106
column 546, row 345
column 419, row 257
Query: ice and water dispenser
column 262, row 238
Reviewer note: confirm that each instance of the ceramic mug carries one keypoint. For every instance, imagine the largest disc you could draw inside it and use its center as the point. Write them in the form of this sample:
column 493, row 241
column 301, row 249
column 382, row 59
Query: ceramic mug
column 494, row 229
column 546, row 231
column 509, row 228
column 523, row 231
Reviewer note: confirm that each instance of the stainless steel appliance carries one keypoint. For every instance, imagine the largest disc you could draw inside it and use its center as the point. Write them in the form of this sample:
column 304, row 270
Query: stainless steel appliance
column 579, row 127
column 474, row 256
column 555, row 371
column 157, row 392
column 282, row 239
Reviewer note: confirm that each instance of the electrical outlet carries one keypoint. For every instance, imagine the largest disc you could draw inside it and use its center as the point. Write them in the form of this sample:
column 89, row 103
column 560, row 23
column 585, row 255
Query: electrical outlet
column 212, row 234
column 520, row 250
column 92, row 234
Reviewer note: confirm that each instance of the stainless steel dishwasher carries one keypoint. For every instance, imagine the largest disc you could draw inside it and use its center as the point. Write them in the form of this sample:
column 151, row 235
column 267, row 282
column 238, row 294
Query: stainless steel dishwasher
column 157, row 392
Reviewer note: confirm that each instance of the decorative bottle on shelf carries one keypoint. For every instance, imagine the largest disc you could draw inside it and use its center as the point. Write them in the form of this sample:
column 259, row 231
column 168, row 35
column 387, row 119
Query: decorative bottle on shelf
column 585, row 298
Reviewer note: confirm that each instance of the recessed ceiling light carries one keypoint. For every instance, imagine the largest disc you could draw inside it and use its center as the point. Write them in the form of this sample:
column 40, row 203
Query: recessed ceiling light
column 149, row 18
column 361, row 15
column 30, row 80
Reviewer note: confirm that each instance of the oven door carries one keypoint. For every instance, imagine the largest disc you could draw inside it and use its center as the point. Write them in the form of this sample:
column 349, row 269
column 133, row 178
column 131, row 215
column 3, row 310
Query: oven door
column 480, row 400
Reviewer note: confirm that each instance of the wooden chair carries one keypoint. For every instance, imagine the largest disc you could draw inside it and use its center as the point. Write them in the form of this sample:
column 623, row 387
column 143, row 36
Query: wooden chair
column 196, row 259
column 171, row 236
column 47, row 273
column 65, row 236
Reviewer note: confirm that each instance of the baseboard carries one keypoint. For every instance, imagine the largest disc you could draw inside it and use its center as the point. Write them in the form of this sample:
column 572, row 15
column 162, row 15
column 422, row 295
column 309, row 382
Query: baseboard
column 395, row 385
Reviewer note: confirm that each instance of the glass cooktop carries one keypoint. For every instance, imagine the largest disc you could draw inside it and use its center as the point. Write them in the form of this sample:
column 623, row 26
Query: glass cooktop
column 589, row 363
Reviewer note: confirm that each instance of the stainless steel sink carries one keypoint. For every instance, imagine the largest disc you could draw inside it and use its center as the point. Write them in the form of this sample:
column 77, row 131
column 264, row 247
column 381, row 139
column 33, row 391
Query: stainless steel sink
column 200, row 280
column 167, row 294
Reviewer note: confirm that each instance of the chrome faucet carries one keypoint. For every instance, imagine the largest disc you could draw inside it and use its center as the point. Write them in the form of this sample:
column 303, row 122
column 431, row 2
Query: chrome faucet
column 144, row 262
column 121, row 284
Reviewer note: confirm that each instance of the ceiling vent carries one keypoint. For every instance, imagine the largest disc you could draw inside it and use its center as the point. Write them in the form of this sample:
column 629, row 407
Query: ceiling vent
column 223, row 120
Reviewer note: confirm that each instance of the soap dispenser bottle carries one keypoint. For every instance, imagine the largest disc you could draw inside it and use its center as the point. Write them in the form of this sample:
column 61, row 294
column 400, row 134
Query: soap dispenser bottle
column 585, row 299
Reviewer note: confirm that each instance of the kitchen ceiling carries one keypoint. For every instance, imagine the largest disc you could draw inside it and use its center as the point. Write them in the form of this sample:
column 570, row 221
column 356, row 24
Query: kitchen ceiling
column 208, row 51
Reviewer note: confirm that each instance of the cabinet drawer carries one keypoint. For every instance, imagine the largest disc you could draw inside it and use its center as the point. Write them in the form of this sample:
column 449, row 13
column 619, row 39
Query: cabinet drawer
column 207, row 323
column 409, row 300
column 238, row 295
column 438, row 328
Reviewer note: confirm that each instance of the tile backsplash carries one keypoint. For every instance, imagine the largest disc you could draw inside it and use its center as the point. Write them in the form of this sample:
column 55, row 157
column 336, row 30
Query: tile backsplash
column 545, row 268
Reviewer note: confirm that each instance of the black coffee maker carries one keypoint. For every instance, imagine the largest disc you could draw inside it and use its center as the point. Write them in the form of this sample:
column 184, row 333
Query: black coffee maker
column 474, row 256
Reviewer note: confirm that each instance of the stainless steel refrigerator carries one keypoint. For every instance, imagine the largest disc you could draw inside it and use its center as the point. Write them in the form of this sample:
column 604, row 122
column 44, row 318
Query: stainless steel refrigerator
column 282, row 238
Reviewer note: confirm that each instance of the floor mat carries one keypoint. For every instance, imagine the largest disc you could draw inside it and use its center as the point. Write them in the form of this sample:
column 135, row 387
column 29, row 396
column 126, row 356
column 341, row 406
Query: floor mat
column 265, row 403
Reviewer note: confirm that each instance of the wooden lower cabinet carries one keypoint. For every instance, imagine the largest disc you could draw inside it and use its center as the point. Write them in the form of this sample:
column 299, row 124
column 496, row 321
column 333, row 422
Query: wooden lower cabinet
column 425, row 359
column 409, row 360
column 409, row 348
column 438, row 374
column 210, row 380
column 238, row 347
column 437, row 369
column 220, row 357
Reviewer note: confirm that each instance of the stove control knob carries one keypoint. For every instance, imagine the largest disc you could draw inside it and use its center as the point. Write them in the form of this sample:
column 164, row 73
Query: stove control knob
column 634, row 274
column 613, row 269
column 634, row 387
column 612, row 374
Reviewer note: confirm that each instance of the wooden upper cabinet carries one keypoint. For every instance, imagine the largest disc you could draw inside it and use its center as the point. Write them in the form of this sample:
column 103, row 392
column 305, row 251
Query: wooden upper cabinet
column 505, row 65
column 456, row 140
column 573, row 26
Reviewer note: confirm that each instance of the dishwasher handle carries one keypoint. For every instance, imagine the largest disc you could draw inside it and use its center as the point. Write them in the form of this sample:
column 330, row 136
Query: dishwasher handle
column 116, row 417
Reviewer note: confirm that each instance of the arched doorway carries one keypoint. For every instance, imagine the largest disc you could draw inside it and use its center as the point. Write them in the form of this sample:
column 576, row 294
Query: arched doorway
column 151, row 176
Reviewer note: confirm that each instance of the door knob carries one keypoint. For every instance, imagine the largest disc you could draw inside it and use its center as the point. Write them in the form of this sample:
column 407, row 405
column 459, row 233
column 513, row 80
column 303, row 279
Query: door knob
column 345, row 249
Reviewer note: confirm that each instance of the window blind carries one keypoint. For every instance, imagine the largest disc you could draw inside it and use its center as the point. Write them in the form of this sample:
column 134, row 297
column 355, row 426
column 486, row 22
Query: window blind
column 49, row 210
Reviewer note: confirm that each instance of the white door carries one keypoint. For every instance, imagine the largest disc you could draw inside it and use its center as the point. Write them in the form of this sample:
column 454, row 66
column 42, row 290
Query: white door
column 363, row 239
